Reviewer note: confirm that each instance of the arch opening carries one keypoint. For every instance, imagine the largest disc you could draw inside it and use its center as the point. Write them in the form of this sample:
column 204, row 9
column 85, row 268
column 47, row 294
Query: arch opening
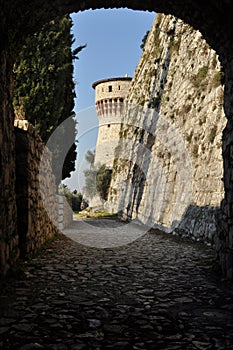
column 212, row 19
column 187, row 101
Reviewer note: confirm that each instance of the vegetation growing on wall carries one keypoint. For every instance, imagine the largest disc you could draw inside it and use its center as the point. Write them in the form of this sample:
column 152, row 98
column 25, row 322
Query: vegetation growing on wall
column 218, row 79
column 213, row 133
column 144, row 40
column 200, row 76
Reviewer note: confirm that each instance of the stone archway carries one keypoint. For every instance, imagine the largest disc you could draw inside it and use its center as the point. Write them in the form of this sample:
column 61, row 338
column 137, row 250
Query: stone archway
column 18, row 19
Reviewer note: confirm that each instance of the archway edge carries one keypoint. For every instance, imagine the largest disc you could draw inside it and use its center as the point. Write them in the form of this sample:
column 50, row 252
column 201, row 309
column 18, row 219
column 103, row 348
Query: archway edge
column 213, row 18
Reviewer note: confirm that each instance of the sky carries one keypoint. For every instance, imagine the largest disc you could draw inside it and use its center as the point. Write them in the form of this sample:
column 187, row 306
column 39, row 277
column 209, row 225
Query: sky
column 113, row 39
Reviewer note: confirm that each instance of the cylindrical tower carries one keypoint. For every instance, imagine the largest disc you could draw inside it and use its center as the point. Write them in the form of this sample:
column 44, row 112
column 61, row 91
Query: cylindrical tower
column 110, row 95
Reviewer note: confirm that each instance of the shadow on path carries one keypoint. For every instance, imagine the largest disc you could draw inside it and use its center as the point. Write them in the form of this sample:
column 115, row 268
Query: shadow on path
column 156, row 293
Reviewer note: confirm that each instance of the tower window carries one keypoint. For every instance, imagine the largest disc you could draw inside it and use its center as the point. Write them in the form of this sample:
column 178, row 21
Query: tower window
column 110, row 88
column 119, row 87
column 108, row 125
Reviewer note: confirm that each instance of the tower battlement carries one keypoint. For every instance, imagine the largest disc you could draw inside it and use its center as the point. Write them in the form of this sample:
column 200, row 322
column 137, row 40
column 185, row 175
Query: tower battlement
column 110, row 95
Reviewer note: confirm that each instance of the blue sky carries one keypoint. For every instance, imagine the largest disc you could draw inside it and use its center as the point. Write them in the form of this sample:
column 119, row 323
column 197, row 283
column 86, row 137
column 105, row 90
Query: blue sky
column 113, row 39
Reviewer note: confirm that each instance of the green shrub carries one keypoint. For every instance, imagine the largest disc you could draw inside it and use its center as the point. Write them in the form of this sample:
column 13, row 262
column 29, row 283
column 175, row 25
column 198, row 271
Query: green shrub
column 103, row 179
column 189, row 137
column 200, row 76
column 202, row 121
column 217, row 79
column 213, row 133
column 214, row 62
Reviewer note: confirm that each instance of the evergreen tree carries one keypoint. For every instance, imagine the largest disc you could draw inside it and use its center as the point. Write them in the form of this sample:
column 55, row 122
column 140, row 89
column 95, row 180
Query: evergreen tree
column 90, row 175
column 103, row 180
column 44, row 88
column 90, row 158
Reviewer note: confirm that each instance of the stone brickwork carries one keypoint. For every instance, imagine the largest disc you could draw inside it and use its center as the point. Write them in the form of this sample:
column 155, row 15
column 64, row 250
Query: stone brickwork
column 33, row 182
column 65, row 213
column 110, row 96
column 169, row 172
column 112, row 88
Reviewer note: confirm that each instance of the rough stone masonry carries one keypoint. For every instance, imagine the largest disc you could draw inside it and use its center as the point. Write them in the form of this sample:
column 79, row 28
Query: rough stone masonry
column 169, row 172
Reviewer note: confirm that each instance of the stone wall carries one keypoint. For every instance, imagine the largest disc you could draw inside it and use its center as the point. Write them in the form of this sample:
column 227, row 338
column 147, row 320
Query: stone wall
column 108, row 137
column 35, row 190
column 8, row 229
column 169, row 171
column 65, row 213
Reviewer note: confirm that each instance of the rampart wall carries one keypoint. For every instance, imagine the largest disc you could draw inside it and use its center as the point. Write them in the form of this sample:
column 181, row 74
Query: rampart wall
column 168, row 173
column 40, row 211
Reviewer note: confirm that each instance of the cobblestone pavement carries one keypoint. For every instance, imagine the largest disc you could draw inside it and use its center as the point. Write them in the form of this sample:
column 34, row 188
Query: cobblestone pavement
column 156, row 293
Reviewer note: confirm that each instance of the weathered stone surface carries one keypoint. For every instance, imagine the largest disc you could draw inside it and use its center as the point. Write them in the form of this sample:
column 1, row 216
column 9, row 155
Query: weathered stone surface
column 65, row 213
column 37, row 201
column 169, row 167
column 35, row 225
column 157, row 293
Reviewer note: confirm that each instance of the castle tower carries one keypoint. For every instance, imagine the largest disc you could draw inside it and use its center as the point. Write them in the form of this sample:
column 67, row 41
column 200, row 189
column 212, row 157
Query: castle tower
column 110, row 95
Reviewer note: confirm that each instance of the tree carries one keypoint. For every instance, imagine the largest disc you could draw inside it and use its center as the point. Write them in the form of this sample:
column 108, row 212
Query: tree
column 74, row 198
column 90, row 175
column 103, row 179
column 77, row 199
column 44, row 88
column 90, row 157
column 97, row 178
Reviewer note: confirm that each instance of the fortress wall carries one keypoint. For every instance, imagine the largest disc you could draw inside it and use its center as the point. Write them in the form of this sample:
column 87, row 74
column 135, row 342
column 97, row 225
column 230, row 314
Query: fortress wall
column 169, row 170
column 35, row 190
column 65, row 212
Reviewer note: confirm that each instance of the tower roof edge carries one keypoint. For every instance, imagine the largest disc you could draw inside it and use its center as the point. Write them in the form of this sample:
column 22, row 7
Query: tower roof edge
column 109, row 80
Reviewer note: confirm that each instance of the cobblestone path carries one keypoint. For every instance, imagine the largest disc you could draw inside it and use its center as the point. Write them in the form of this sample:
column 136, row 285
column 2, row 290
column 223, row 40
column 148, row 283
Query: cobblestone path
column 158, row 292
